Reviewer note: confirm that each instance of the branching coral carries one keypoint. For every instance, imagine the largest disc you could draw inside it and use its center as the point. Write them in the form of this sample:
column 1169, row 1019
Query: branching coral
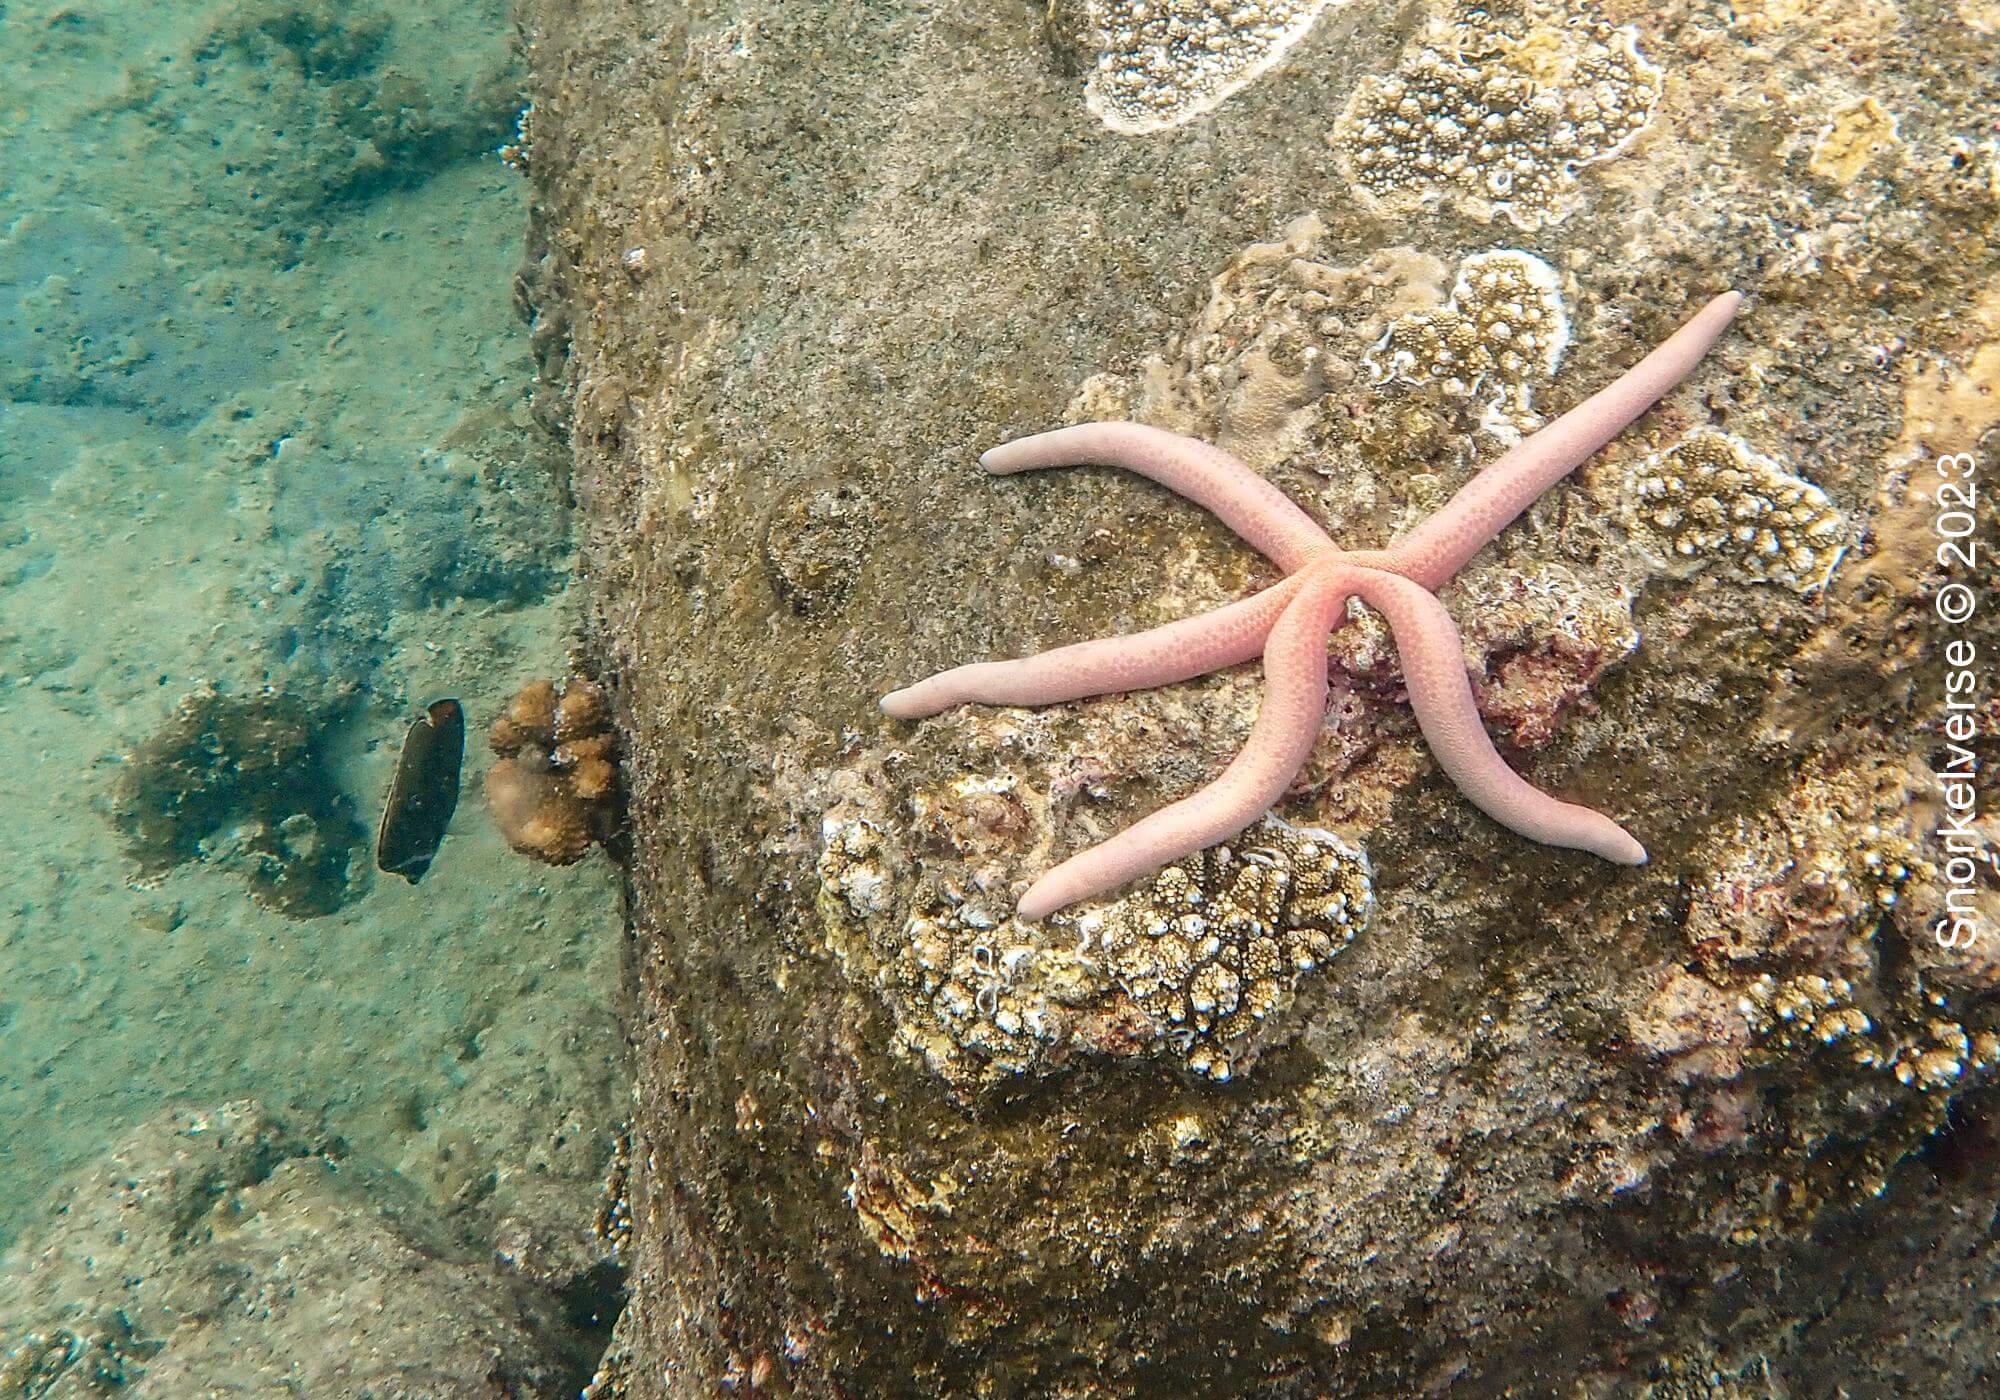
column 1711, row 498
column 553, row 792
column 1502, row 114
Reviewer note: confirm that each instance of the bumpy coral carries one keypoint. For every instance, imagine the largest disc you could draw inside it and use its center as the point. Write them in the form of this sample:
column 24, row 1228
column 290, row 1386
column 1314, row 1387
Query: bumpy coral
column 1214, row 944
column 613, row 1225
column 1807, row 1009
column 1503, row 332
column 968, row 990
column 1944, row 1055
column 1711, row 498
column 553, row 792
column 243, row 782
column 1801, row 1011
column 1501, row 113
column 1700, row 1375
column 1165, row 62
column 1201, row 963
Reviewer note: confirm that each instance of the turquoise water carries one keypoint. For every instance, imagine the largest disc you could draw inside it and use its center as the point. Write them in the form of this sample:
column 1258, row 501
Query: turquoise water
column 266, row 452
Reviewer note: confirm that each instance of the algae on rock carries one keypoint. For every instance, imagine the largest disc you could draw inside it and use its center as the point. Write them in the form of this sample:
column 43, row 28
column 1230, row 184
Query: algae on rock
column 1545, row 1127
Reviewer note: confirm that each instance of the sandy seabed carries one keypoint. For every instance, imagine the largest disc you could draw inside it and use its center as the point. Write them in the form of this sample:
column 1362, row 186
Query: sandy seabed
column 265, row 427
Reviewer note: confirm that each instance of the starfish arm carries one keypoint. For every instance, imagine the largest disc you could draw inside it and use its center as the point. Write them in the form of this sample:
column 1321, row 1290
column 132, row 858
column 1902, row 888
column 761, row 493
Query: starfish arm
column 1441, row 694
column 1245, row 502
column 1287, row 724
column 1439, row 547
column 1190, row 647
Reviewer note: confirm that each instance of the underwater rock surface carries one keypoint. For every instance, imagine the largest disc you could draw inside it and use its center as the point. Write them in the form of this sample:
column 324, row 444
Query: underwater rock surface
column 219, row 1252
column 1544, row 1124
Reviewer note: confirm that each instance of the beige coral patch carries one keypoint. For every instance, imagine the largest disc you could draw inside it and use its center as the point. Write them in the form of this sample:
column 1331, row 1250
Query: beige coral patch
column 1858, row 133
column 1711, row 499
column 1500, row 113
column 1949, row 412
column 1216, row 942
column 1503, row 332
column 1166, row 62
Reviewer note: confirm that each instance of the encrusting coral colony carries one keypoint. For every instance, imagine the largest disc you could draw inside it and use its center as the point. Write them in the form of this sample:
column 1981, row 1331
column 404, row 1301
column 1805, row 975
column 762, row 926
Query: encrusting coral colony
column 1165, row 62
column 1503, row 331
column 1712, row 496
column 1499, row 115
column 553, row 788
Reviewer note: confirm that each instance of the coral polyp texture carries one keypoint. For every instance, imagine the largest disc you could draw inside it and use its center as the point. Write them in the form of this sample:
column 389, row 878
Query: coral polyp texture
column 1289, row 623
column 1503, row 331
column 553, row 790
column 1214, row 946
column 1713, row 500
column 1200, row 965
column 1165, row 62
column 1499, row 111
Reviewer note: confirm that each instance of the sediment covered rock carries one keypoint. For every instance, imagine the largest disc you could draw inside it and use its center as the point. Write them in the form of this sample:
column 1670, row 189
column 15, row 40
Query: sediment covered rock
column 219, row 1252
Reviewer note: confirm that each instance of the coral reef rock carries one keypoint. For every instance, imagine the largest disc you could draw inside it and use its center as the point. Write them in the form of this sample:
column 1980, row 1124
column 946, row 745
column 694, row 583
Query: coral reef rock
column 356, row 122
column 519, row 1155
column 218, row 1252
column 553, row 790
column 1544, row 1127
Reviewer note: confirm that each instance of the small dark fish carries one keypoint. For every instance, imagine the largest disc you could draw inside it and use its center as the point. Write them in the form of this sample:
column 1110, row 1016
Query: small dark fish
column 425, row 792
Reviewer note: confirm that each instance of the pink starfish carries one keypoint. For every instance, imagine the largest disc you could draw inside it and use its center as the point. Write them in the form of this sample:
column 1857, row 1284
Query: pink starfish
column 1290, row 621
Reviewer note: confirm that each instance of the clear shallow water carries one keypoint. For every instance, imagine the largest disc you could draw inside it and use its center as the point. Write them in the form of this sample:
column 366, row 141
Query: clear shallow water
column 264, row 432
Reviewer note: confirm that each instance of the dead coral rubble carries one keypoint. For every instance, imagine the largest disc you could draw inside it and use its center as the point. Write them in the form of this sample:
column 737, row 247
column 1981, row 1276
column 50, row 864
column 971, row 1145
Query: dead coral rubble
column 553, row 792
